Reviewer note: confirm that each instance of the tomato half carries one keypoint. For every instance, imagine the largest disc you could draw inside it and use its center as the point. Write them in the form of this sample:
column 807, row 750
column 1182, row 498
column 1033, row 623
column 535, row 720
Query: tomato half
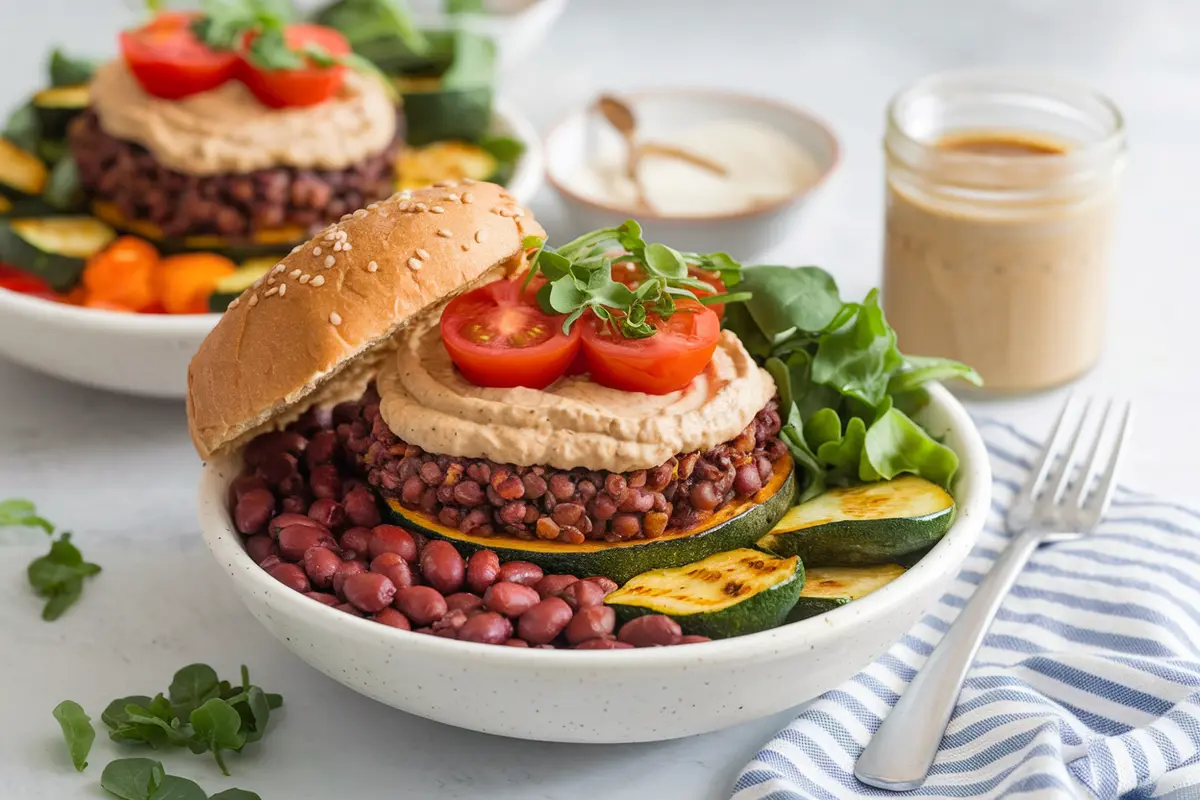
column 658, row 364
column 16, row 280
column 170, row 61
column 631, row 275
column 497, row 335
column 280, row 88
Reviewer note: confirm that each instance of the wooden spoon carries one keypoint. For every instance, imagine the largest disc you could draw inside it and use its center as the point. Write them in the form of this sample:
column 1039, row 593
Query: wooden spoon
column 621, row 117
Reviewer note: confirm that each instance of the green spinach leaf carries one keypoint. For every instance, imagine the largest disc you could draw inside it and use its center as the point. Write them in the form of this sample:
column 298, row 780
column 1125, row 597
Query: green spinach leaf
column 132, row 778
column 191, row 687
column 174, row 787
column 895, row 444
column 68, row 71
column 787, row 299
column 217, row 726
column 858, row 360
column 77, row 730
column 235, row 794
column 926, row 369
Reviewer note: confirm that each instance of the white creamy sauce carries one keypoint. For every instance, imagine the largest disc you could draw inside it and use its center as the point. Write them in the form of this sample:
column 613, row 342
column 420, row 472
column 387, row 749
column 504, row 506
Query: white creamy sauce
column 762, row 166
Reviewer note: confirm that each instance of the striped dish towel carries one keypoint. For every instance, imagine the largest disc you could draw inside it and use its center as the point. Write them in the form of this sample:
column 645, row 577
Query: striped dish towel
column 1088, row 684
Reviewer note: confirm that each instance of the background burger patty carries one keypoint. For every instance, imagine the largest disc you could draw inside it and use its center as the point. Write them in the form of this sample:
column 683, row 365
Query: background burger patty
column 235, row 204
column 482, row 497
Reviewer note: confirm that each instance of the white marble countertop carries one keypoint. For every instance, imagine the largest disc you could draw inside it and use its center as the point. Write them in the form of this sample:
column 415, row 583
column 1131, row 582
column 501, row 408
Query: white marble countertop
column 121, row 472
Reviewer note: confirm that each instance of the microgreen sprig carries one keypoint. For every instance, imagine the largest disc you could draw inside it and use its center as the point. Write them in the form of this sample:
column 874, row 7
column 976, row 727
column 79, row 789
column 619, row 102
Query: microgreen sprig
column 579, row 278
column 57, row 576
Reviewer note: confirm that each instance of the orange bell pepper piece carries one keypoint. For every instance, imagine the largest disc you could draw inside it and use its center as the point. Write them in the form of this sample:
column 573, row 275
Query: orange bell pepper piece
column 184, row 282
column 121, row 275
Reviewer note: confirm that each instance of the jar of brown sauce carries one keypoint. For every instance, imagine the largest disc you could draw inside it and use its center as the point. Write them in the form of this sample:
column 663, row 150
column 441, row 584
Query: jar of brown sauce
column 1001, row 189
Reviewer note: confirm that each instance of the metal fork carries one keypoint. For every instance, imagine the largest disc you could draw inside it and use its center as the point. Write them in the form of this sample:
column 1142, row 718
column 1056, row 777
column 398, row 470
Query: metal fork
column 1054, row 505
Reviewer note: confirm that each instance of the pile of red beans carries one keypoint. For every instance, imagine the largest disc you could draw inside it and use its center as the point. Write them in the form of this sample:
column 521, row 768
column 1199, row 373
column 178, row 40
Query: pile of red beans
column 314, row 526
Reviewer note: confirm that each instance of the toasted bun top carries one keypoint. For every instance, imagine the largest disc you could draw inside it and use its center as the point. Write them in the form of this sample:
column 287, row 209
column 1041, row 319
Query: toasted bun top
column 337, row 301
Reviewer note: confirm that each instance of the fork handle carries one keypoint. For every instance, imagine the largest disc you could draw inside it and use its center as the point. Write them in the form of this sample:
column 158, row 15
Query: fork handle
column 902, row 750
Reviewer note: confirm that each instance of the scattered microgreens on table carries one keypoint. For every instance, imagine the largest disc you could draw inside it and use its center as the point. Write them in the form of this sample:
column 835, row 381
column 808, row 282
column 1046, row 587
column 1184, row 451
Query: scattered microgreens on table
column 845, row 390
column 57, row 576
column 145, row 779
column 579, row 278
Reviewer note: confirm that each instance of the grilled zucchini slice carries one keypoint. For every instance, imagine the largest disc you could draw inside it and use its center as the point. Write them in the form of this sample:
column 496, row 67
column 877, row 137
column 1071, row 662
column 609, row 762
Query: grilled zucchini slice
column 827, row 588
column 22, row 173
column 57, row 106
column 56, row 248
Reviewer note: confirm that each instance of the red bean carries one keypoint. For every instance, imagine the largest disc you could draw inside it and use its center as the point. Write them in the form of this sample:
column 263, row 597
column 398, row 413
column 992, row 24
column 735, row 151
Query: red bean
column 325, row 482
column 393, row 619
column 294, row 504
column 551, row 585
column 278, row 469
column 361, row 508
column 603, row 644
column 464, row 601
column 254, row 509
column 357, row 540
column 543, row 622
column 369, row 591
column 290, row 576
column 281, row 521
column 442, row 567
column 262, row 447
column 324, row 598
column 395, row 568
column 692, row 639
column 319, row 564
column 608, row 585
column 421, row 604
column 582, row 594
column 349, row 609
column 294, row 540
column 346, row 570
column 270, row 561
column 452, row 620
column 593, row 622
column 486, row 628
column 515, row 643
column 521, row 572
column 321, row 449
column 445, row 633
column 242, row 484
column 392, row 539
column 510, row 599
column 329, row 513
column 652, row 630
column 259, row 547
column 482, row 569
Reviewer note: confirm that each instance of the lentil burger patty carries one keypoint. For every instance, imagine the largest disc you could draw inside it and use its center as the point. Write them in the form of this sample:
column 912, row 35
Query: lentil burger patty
column 482, row 497
column 233, row 204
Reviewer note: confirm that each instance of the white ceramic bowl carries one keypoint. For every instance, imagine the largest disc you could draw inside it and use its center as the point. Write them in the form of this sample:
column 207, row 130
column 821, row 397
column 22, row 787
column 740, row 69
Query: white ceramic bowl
column 661, row 113
column 616, row 695
column 148, row 354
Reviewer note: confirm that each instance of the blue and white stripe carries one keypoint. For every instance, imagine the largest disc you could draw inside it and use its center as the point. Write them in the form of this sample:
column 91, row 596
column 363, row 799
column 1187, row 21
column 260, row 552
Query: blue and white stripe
column 1088, row 684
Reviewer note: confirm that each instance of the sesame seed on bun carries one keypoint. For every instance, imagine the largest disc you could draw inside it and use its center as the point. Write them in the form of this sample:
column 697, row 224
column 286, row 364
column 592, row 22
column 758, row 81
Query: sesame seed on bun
column 316, row 325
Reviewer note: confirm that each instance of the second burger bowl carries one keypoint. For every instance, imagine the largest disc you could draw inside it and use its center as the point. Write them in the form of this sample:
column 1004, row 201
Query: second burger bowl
column 273, row 404
column 147, row 354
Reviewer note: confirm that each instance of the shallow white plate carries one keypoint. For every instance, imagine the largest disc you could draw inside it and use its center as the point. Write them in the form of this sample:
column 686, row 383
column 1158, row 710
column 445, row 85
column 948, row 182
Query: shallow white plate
column 615, row 695
column 148, row 354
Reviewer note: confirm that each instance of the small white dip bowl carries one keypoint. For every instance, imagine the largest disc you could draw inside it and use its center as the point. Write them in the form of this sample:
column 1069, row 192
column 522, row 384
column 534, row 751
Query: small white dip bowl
column 616, row 695
column 662, row 114
column 148, row 354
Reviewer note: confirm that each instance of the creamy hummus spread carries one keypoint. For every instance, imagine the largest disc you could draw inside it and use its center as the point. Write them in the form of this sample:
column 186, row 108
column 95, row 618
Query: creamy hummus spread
column 228, row 130
column 571, row 423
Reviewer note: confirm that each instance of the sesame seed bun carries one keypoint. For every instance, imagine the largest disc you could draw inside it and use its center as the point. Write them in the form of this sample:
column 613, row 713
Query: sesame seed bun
column 314, row 329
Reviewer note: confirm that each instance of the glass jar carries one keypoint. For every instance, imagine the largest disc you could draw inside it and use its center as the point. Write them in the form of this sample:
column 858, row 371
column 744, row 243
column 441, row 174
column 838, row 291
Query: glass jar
column 1001, row 189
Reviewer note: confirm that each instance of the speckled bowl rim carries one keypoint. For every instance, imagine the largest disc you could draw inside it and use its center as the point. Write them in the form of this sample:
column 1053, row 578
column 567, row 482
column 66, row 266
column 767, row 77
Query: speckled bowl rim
column 526, row 181
column 562, row 186
column 973, row 497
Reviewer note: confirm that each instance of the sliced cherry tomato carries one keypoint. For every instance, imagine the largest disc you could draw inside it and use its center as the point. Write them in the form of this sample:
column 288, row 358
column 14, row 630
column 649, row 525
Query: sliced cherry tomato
column 280, row 88
column 16, row 280
column 170, row 61
column 497, row 335
column 631, row 275
column 658, row 364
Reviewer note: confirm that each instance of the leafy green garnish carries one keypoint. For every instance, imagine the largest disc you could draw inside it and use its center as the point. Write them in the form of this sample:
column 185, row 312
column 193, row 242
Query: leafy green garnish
column 68, row 71
column 364, row 22
column 77, row 730
column 23, row 128
column 132, row 778
column 174, row 787
column 57, row 576
column 200, row 712
column 579, row 278
column 845, row 389
column 235, row 794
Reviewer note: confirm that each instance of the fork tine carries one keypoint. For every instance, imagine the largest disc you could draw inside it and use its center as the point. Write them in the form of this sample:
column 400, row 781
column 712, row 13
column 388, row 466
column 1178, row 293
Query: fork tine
column 1021, row 512
column 1079, row 492
column 1060, row 476
column 1108, row 482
